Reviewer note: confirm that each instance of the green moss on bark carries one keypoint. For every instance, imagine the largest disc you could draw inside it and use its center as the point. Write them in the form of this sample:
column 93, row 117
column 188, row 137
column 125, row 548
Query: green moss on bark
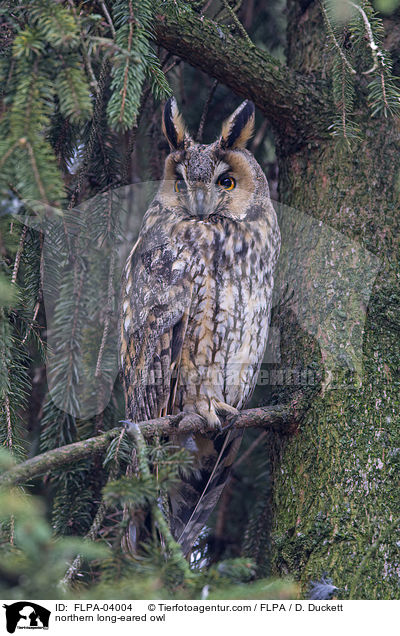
column 336, row 508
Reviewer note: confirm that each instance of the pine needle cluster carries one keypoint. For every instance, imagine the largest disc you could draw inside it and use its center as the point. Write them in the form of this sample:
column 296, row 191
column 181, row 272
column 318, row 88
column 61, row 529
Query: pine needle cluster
column 355, row 35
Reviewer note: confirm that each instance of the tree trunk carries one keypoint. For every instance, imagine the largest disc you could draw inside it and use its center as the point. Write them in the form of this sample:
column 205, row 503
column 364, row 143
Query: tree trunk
column 335, row 505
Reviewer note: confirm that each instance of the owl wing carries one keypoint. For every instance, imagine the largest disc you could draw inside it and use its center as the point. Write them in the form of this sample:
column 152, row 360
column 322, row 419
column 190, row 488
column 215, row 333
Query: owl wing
column 156, row 300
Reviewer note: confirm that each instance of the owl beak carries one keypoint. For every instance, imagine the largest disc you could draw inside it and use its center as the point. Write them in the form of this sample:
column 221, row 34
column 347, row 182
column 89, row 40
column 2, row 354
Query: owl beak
column 199, row 202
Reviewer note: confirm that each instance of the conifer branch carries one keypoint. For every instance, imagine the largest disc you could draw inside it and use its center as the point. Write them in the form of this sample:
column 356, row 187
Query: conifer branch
column 109, row 308
column 10, row 151
column 85, row 52
column 74, row 569
column 30, row 327
column 283, row 419
column 57, row 458
column 199, row 136
column 9, row 442
column 36, row 174
column 127, row 63
column 373, row 46
column 335, row 42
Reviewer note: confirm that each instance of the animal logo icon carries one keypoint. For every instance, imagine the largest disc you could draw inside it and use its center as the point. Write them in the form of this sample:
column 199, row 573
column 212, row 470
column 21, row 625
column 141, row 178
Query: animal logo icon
column 26, row 615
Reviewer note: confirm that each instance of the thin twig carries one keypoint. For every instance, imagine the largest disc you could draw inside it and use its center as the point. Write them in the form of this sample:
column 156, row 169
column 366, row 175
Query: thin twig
column 10, row 151
column 81, row 173
column 125, row 176
column 375, row 52
column 171, row 66
column 92, row 136
column 9, row 441
column 259, row 137
column 237, row 22
column 206, row 6
column 335, row 42
column 199, row 136
column 18, row 255
column 250, row 449
column 109, row 308
column 85, row 52
column 35, row 313
column 108, row 18
column 36, row 173
column 126, row 70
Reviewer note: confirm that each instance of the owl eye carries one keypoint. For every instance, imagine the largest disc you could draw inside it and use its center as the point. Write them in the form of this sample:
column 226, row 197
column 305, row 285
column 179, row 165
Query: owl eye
column 226, row 182
column 180, row 185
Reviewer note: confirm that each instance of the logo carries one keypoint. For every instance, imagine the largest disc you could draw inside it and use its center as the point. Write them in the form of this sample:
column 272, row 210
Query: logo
column 26, row 615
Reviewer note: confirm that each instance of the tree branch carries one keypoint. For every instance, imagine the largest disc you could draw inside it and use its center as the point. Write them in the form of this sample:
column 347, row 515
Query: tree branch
column 280, row 418
column 297, row 105
column 57, row 458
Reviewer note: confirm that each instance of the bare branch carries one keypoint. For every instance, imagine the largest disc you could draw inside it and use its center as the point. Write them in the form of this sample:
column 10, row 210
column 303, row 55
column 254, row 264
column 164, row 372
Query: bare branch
column 199, row 136
column 108, row 18
column 57, row 458
column 280, row 418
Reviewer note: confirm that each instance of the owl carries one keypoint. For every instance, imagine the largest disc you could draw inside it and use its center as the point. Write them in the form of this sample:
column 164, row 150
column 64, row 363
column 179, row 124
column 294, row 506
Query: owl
column 196, row 303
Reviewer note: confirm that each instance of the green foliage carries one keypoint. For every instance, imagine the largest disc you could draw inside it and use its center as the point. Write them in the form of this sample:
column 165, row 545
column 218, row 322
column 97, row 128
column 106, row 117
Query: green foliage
column 386, row 6
column 41, row 67
column 49, row 70
column 72, row 91
column 355, row 34
column 7, row 293
column 14, row 316
column 134, row 492
column 33, row 565
column 133, row 60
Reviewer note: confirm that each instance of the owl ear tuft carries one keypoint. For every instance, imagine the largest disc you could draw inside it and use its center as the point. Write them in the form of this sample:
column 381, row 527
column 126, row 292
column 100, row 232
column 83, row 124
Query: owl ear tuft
column 173, row 126
column 239, row 127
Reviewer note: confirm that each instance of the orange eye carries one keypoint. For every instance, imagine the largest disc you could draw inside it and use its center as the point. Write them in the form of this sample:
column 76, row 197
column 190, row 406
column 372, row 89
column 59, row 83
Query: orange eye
column 180, row 185
column 226, row 182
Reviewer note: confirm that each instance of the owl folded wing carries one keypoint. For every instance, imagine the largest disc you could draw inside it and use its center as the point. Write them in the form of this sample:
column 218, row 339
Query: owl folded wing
column 156, row 299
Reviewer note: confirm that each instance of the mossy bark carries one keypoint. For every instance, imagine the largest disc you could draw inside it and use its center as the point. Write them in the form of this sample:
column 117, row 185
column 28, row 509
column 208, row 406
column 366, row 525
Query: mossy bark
column 336, row 507
column 292, row 101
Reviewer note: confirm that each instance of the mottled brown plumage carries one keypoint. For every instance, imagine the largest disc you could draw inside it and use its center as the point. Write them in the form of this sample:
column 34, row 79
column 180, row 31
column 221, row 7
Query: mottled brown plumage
column 197, row 300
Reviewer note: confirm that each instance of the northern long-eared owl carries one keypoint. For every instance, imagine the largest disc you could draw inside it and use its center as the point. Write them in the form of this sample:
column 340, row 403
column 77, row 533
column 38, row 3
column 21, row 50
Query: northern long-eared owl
column 197, row 299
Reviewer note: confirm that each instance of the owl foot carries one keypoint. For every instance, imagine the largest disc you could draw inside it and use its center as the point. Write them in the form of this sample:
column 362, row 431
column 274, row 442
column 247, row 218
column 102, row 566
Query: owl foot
column 227, row 412
column 231, row 423
column 188, row 426
column 224, row 409
column 192, row 423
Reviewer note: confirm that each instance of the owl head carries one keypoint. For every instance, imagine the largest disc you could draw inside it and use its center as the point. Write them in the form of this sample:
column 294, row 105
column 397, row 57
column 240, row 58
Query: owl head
column 218, row 179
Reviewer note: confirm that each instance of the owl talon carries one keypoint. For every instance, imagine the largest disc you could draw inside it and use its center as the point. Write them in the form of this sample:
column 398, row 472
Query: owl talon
column 190, row 421
column 230, row 425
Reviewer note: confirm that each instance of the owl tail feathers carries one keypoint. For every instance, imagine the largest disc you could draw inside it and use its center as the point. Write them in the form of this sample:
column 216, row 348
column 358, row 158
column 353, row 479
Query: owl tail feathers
column 195, row 497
